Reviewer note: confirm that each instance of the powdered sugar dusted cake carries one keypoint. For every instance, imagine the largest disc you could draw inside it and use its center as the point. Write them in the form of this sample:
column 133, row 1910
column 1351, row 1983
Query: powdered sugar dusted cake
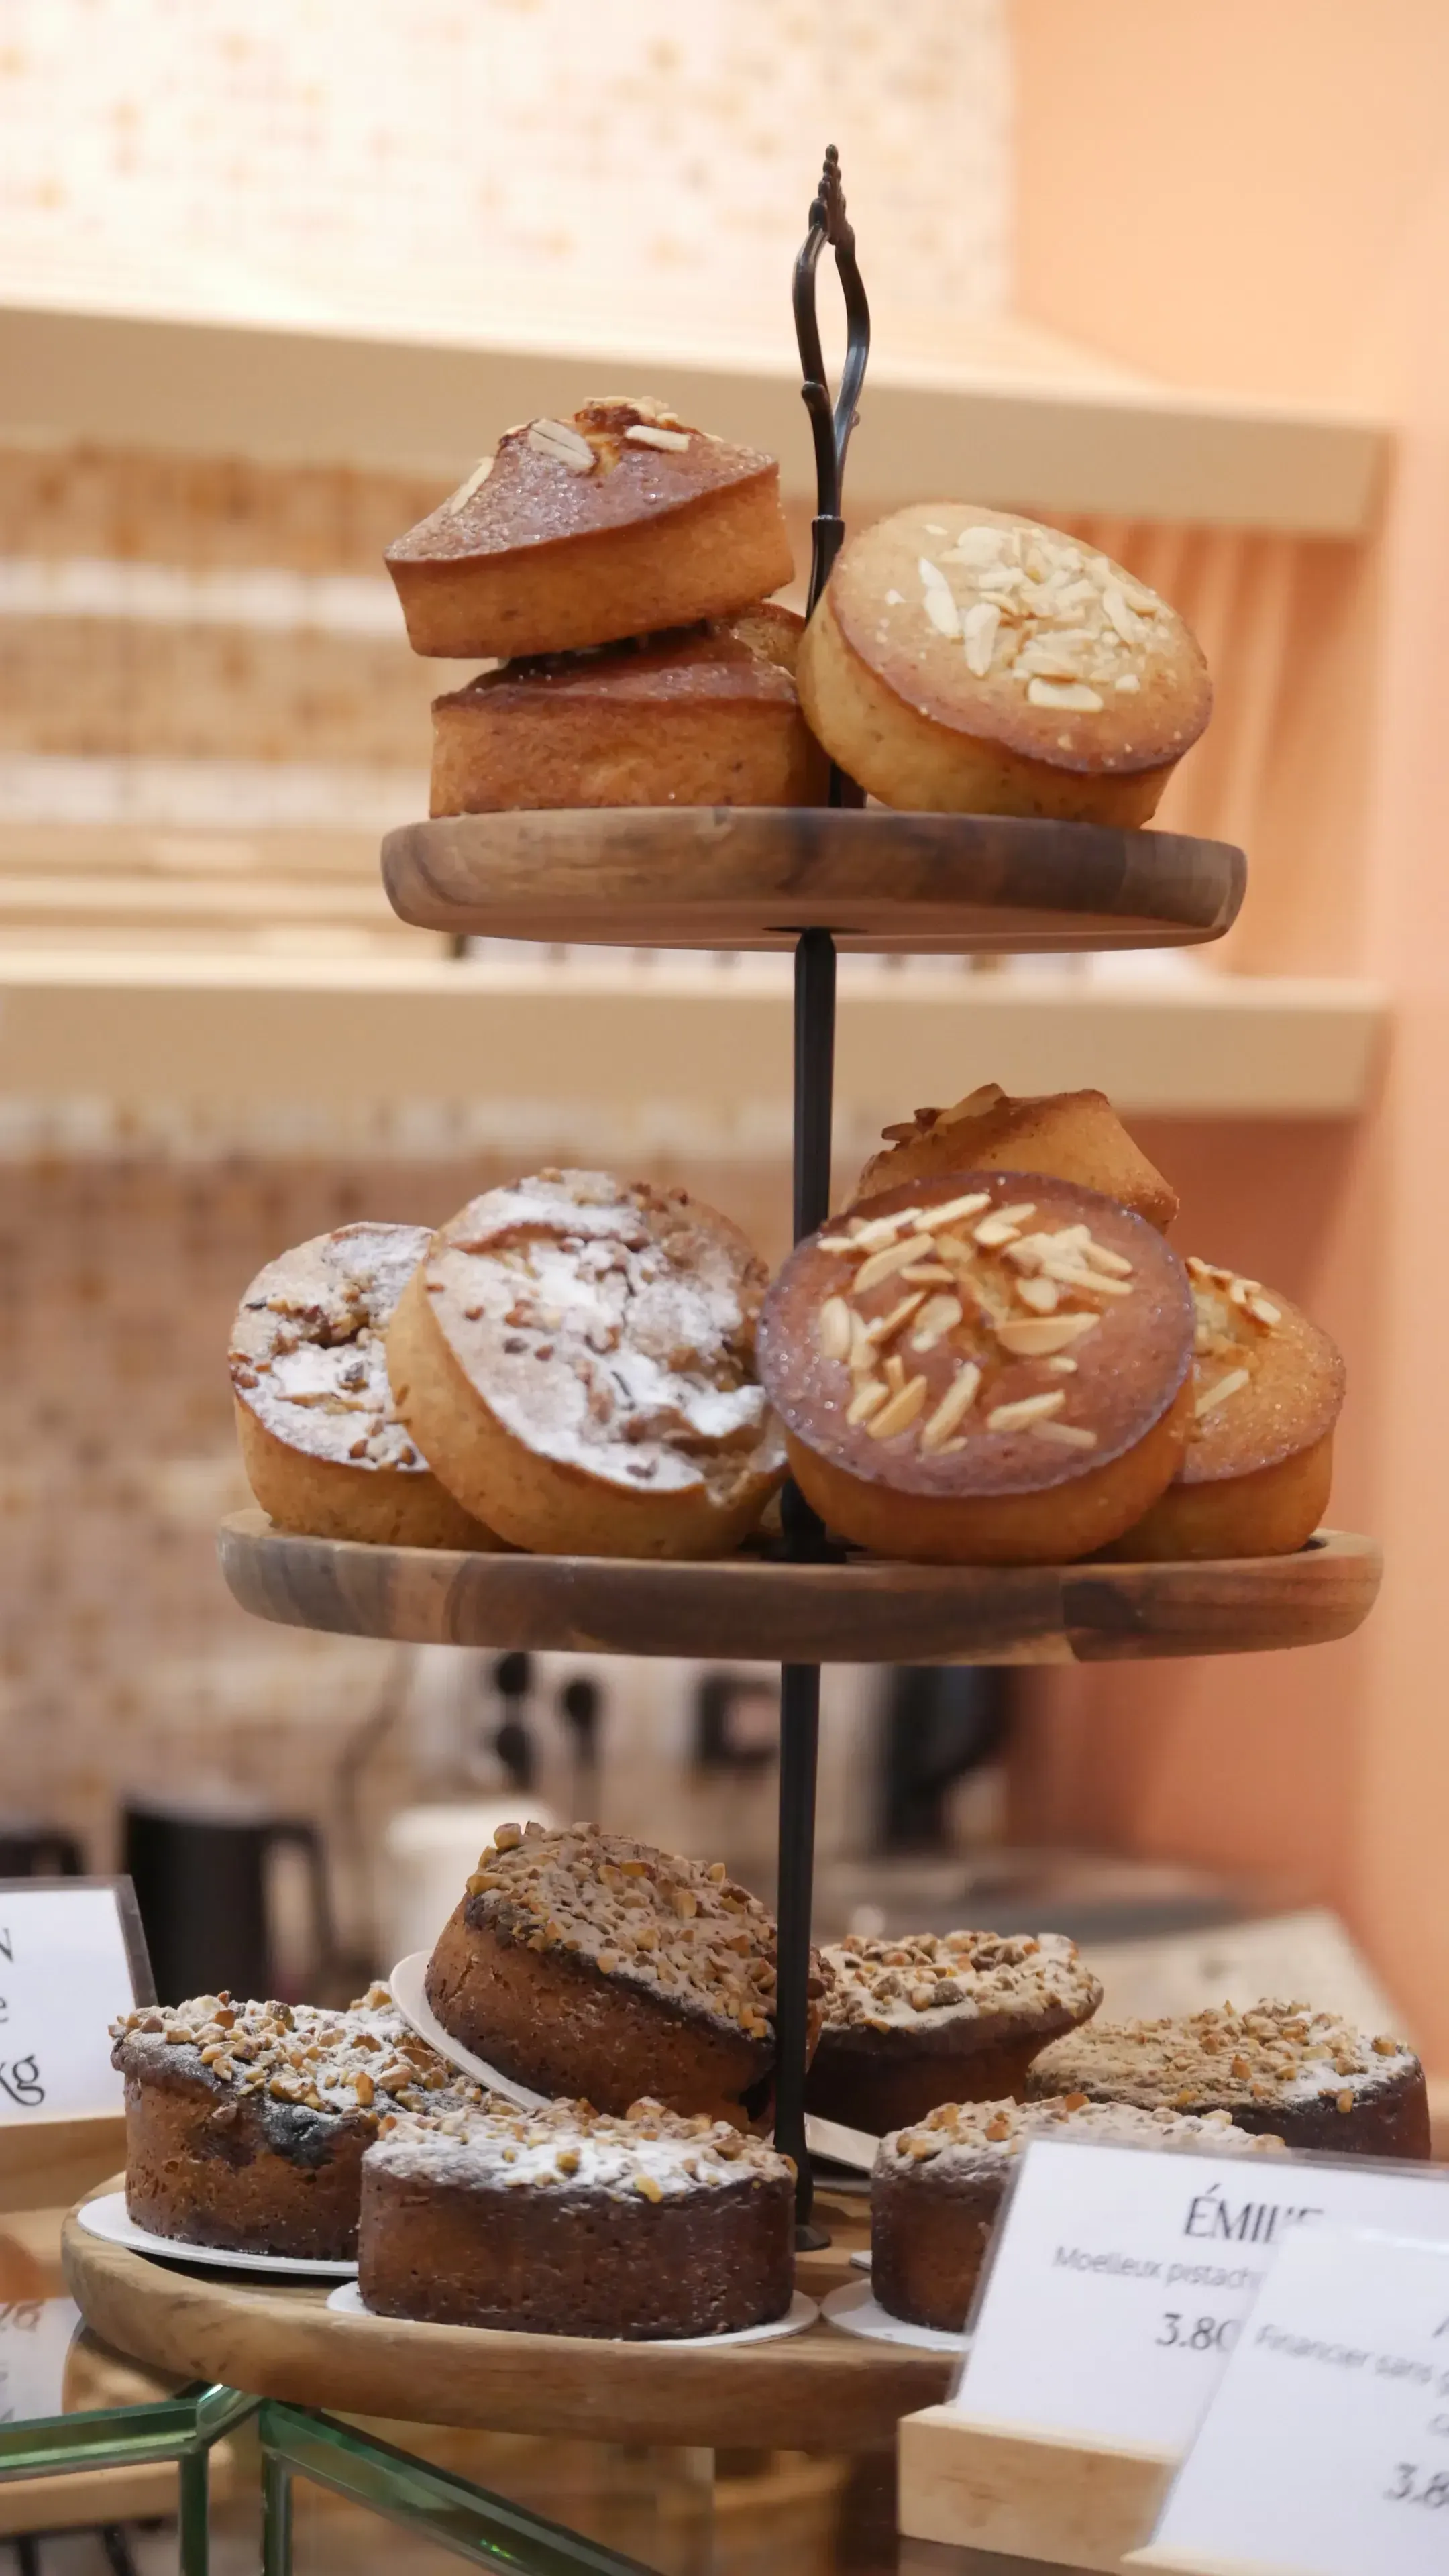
column 583, row 1963
column 937, row 2188
column 1307, row 2075
column 580, row 1351
column 950, row 2017
column 570, row 2222
column 246, row 2122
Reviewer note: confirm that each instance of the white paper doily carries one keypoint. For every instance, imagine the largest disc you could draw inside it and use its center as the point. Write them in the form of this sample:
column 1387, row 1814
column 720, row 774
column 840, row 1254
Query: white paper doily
column 410, row 1997
column 107, row 2218
column 854, row 2309
column 801, row 2312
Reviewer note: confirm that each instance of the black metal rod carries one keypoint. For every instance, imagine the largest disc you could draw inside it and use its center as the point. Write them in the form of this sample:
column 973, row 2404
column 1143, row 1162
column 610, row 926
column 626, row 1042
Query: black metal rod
column 814, row 1076
column 799, row 1754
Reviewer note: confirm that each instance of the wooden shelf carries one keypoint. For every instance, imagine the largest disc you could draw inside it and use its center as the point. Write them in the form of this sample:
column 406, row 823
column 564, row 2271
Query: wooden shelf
column 1045, row 425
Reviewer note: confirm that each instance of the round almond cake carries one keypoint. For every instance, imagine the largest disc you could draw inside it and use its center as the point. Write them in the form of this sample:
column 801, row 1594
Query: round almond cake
column 928, row 2018
column 246, row 2123
column 582, row 1963
column 580, row 1352
column 571, row 2222
column 1306, row 2075
column 981, row 1368
column 937, row 2188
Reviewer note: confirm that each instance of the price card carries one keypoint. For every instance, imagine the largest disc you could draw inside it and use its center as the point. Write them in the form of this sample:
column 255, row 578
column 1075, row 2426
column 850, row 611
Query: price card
column 1122, row 2276
column 1325, row 2449
column 72, row 1956
column 35, row 2340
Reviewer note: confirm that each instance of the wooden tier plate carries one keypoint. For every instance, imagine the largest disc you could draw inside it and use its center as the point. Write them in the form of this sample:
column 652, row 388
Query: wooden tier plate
column 754, row 876
column 819, row 2389
column 862, row 1611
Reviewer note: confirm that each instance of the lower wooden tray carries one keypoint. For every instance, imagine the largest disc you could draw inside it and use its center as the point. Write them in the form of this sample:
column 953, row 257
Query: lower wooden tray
column 817, row 2390
column 755, row 876
column 863, row 1611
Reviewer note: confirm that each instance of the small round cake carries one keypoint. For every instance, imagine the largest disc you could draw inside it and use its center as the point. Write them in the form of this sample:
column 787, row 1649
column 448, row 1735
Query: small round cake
column 576, row 1357
column 321, row 1443
column 570, row 2222
column 707, row 715
column 246, row 2123
column 582, row 1963
column 928, row 2018
column 937, row 2189
column 618, row 521
column 1268, row 1387
column 1305, row 2075
column 981, row 1368
column 967, row 661
column 1075, row 1135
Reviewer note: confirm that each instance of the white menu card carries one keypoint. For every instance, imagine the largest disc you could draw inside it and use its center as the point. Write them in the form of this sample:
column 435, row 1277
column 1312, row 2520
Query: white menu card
column 71, row 1958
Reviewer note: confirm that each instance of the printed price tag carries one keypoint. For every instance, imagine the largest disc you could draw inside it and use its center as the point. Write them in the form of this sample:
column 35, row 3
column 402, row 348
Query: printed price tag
column 1121, row 2278
column 71, row 1958
column 35, row 2339
column 1325, row 2449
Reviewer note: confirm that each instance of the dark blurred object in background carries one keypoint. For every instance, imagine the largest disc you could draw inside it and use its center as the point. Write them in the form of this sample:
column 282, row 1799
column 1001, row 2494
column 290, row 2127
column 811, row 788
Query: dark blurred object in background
column 205, row 1881
column 939, row 1722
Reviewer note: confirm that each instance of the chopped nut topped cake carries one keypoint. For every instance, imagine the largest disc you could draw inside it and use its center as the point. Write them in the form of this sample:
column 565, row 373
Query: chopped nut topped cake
column 937, row 2188
column 321, row 1442
column 618, row 521
column 580, row 1351
column 572, row 2222
column 986, row 1367
column 583, row 1963
column 246, row 2122
column 1268, row 1387
column 966, row 660
column 1076, row 1135
column 1306, row 2075
column 928, row 2018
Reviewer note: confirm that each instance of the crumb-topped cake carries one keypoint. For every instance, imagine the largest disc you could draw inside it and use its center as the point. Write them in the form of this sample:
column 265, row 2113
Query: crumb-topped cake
column 580, row 1351
column 981, row 1367
column 967, row 660
column 617, row 521
column 940, row 2017
column 1075, row 1135
column 246, row 2122
column 572, row 2222
column 937, row 2187
column 1268, row 1387
column 583, row 1963
column 1307, row 2075
column 321, row 1442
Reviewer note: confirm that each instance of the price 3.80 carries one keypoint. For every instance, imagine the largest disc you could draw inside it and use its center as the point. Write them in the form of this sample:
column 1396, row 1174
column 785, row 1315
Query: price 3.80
column 1413, row 2485
column 1198, row 2334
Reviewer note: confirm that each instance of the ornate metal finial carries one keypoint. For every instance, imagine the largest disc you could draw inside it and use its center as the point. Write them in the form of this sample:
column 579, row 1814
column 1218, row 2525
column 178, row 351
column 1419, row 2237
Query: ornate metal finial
column 831, row 428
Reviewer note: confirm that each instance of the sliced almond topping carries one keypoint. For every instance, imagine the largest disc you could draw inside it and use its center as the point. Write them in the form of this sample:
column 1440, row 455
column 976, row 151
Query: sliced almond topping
column 1118, row 613
column 867, row 1400
column 932, row 577
column 1213, row 1396
column 1067, row 1435
column 954, row 1406
column 834, row 1329
column 895, row 1372
column 460, row 499
column 884, row 1265
column 1264, row 1311
column 978, row 633
column 1062, row 1367
column 937, row 1318
column 1092, row 1283
column 1036, row 1337
column 867, row 1234
column 956, row 1255
column 836, row 1243
column 1001, row 1227
column 560, row 440
column 926, row 1274
column 901, row 1411
column 646, row 433
column 1073, row 695
column 1038, row 1293
column 941, row 610
column 1027, row 1410
column 862, row 1348
column 880, row 1331
column 975, row 1104
column 1115, row 1264
column 955, row 1211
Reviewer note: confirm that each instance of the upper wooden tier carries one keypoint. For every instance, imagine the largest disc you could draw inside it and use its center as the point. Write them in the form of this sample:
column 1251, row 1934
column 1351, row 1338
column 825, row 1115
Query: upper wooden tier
column 749, row 876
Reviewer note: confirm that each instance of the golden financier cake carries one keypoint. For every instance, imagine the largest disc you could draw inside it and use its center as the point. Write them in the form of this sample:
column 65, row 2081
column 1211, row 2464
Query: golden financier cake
column 940, row 2017
column 321, row 1442
column 580, row 1962
column 1076, row 1135
column 570, row 2222
column 1306, row 2075
column 246, row 2123
column 937, row 2188
column 616, row 522
column 982, row 1368
column 580, row 1352
column 1268, row 1388
column 707, row 715
column 967, row 661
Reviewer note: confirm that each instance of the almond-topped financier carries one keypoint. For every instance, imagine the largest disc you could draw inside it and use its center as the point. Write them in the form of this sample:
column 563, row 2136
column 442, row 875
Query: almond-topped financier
column 968, row 661
column 1267, row 1391
column 618, row 521
column 982, row 1368
column 949, row 2017
column 581, row 1350
column 706, row 715
column 1077, row 1135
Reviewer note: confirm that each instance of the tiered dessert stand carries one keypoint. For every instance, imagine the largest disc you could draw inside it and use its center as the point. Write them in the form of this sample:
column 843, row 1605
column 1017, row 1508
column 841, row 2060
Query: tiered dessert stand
column 813, row 881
